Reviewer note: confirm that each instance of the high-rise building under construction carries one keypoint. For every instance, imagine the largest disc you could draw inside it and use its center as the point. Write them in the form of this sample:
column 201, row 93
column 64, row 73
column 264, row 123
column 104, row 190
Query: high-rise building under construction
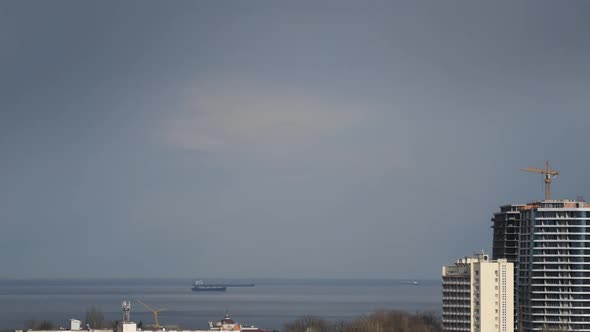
column 552, row 262
column 506, row 226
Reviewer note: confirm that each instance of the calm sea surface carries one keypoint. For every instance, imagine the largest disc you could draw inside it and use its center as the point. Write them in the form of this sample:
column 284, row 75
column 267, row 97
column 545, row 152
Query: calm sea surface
column 270, row 304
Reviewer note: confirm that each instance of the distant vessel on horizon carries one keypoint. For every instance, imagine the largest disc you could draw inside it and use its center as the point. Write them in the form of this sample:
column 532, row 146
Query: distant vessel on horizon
column 411, row 282
column 200, row 286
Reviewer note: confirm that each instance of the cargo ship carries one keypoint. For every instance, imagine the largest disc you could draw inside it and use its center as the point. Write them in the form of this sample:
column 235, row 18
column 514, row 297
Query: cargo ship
column 200, row 286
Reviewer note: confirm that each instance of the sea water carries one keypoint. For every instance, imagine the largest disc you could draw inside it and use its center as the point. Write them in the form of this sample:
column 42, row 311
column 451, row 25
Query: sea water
column 270, row 304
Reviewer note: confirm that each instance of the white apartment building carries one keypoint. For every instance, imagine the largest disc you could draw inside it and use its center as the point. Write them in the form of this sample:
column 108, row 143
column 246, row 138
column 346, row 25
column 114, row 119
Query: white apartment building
column 478, row 295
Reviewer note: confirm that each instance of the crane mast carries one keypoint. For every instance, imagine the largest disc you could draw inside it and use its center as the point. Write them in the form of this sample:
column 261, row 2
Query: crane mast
column 548, row 173
column 155, row 312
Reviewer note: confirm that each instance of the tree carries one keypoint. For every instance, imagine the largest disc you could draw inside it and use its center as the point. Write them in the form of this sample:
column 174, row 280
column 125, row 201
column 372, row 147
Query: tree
column 94, row 318
column 309, row 324
column 32, row 324
column 381, row 321
column 45, row 325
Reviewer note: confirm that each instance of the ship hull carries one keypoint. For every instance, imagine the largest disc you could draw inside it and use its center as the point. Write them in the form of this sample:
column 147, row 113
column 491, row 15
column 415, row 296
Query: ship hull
column 209, row 289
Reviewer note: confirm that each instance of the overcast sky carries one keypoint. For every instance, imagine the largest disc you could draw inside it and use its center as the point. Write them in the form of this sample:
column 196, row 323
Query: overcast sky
column 280, row 139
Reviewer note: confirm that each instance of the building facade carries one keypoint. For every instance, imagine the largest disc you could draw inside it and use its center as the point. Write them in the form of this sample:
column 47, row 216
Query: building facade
column 478, row 295
column 505, row 243
column 506, row 226
column 554, row 266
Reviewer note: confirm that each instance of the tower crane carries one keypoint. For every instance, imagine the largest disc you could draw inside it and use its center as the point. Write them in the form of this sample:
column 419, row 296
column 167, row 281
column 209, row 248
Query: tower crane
column 155, row 312
column 549, row 175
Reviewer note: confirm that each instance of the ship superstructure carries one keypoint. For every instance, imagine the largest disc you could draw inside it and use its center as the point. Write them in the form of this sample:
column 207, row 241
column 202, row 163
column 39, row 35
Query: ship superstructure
column 200, row 286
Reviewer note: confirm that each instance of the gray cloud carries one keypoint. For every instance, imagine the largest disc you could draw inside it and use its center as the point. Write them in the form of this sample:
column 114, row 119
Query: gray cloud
column 245, row 117
column 284, row 129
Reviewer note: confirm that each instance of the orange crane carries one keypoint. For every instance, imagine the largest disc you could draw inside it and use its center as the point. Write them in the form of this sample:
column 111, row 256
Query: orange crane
column 155, row 312
column 549, row 174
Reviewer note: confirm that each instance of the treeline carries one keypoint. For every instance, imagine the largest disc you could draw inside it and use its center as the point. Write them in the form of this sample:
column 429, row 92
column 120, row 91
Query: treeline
column 381, row 321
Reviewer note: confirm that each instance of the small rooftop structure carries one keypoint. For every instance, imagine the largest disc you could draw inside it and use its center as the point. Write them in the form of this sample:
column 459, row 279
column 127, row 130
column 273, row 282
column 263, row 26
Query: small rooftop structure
column 75, row 324
column 225, row 324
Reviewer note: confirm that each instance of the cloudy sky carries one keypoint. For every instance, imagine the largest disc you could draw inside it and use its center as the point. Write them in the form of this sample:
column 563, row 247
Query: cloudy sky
column 280, row 139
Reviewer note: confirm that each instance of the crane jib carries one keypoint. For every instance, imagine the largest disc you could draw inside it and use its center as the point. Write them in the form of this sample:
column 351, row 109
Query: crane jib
column 549, row 174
